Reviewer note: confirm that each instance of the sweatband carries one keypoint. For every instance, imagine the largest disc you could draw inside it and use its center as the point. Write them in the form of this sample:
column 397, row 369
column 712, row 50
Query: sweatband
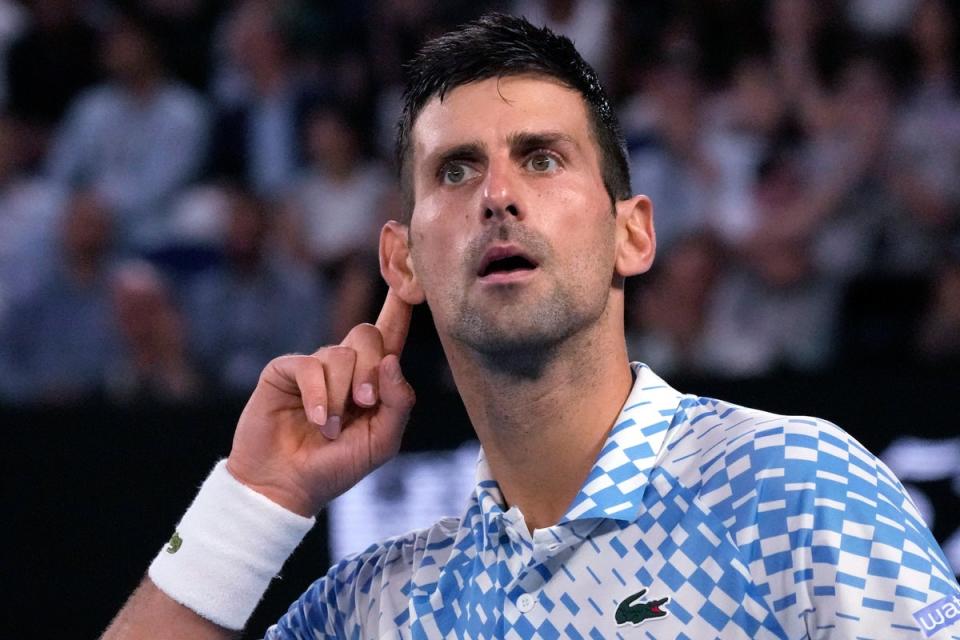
column 228, row 546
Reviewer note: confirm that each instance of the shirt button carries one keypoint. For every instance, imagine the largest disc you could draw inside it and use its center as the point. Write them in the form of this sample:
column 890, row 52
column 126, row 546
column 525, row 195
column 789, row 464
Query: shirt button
column 525, row 602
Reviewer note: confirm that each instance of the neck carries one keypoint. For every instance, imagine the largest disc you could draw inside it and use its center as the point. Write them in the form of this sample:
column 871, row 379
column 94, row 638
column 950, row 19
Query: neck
column 84, row 269
column 143, row 86
column 269, row 79
column 542, row 426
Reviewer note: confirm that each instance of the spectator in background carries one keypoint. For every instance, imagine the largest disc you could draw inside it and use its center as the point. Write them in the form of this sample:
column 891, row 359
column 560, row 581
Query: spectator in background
column 879, row 19
column 29, row 207
column 771, row 309
column 13, row 19
column 666, row 318
column 932, row 36
column 184, row 30
column 939, row 335
column 333, row 209
column 152, row 364
column 699, row 175
column 395, row 29
column 51, row 62
column 258, row 132
column 853, row 213
column 663, row 133
column 60, row 336
column 806, row 42
column 255, row 306
column 136, row 139
column 753, row 105
column 927, row 136
column 589, row 23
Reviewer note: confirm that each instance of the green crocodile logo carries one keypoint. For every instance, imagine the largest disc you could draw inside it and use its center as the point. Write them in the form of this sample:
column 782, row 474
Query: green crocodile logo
column 175, row 542
column 630, row 613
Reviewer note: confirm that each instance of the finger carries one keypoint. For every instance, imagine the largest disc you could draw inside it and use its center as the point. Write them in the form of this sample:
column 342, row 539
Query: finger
column 396, row 400
column 394, row 322
column 366, row 340
column 338, row 365
column 298, row 375
column 313, row 388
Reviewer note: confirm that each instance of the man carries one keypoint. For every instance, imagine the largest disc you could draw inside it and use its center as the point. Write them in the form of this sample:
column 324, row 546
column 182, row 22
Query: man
column 607, row 504
column 136, row 139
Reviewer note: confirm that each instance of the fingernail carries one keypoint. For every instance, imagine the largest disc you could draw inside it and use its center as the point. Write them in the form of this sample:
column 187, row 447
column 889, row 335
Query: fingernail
column 332, row 428
column 320, row 414
column 365, row 394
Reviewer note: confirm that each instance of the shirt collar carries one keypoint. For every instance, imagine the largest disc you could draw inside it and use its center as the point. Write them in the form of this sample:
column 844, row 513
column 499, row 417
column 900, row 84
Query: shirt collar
column 614, row 486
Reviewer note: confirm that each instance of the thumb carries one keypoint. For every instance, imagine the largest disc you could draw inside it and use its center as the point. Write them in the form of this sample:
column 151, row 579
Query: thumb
column 396, row 400
column 396, row 394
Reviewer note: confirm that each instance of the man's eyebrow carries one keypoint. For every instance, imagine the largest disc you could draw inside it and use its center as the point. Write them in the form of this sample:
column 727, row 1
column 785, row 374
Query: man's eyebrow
column 465, row 151
column 525, row 140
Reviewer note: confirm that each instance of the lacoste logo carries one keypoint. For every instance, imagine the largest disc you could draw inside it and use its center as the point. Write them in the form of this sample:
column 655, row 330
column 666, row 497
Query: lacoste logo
column 938, row 615
column 175, row 541
column 630, row 613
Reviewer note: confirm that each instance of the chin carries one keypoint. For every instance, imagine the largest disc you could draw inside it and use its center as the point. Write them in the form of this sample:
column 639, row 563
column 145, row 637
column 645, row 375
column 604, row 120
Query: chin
column 520, row 332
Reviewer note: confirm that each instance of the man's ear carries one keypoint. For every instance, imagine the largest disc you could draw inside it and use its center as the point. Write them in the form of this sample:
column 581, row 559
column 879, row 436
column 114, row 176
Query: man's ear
column 636, row 239
column 396, row 265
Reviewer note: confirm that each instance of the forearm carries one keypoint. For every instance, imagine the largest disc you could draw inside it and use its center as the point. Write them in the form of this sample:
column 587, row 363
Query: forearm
column 152, row 614
column 247, row 520
column 208, row 579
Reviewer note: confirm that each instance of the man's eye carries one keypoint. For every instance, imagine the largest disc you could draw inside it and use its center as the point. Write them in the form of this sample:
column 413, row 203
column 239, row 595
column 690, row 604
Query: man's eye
column 543, row 163
column 456, row 172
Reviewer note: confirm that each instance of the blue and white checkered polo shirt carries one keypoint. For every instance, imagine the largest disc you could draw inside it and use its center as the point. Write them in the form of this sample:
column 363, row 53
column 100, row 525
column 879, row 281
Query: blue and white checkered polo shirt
column 701, row 519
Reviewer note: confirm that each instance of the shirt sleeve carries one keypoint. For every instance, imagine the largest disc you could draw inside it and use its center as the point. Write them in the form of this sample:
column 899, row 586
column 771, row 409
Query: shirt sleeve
column 313, row 615
column 347, row 602
column 864, row 562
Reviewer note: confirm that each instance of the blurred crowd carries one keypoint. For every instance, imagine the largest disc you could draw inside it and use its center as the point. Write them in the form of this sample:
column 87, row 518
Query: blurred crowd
column 189, row 188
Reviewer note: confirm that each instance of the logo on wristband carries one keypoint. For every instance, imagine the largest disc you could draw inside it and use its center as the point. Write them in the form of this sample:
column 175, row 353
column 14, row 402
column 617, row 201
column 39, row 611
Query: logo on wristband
column 175, row 542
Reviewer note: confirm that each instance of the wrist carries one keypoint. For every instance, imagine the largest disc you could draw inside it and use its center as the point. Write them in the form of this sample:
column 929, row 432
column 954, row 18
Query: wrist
column 228, row 546
column 294, row 499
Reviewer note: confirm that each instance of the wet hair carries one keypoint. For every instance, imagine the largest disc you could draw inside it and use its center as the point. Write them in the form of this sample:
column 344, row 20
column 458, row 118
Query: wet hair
column 498, row 45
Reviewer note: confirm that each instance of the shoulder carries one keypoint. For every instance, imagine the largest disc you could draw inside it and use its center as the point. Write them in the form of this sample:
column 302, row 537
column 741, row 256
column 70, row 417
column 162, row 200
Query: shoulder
column 97, row 101
column 807, row 452
column 798, row 482
column 754, row 460
column 742, row 439
column 182, row 102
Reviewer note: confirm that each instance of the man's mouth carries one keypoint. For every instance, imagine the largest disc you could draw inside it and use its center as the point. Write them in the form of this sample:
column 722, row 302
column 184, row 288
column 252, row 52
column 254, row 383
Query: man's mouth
column 505, row 263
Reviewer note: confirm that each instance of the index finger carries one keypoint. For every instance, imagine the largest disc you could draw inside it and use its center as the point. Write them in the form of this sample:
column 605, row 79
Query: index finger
column 394, row 322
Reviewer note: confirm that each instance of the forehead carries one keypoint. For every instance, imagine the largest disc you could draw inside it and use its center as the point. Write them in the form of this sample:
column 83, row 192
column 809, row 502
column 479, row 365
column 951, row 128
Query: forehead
column 491, row 110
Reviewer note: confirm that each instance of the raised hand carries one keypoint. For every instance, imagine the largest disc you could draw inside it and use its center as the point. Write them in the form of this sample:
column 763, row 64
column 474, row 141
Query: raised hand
column 316, row 424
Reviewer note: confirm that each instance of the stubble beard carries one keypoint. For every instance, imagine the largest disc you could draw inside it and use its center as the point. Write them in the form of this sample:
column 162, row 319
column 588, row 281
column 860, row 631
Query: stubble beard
column 523, row 344
column 521, row 336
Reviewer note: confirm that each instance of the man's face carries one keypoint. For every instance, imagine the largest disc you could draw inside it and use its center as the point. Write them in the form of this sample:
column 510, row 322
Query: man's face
column 513, row 233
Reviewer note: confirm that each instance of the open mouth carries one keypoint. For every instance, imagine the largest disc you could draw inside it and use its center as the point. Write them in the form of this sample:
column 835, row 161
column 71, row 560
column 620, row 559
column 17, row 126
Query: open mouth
column 505, row 262
column 510, row 264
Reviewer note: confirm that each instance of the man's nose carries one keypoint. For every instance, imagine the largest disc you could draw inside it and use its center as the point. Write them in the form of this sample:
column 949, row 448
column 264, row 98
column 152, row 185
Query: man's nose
column 501, row 193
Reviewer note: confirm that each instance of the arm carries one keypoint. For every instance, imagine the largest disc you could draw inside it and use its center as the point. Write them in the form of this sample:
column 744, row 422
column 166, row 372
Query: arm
column 150, row 613
column 70, row 145
column 313, row 427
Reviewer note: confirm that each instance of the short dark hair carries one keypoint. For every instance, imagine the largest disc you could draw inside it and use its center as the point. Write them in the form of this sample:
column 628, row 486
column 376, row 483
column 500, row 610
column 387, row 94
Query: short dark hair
column 498, row 45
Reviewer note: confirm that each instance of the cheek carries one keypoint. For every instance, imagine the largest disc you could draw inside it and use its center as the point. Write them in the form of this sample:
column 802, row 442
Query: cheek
column 441, row 224
column 436, row 255
column 591, row 242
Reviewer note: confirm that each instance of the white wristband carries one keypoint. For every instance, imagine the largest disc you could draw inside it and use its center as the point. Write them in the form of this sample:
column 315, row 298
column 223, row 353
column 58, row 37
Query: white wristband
column 229, row 545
